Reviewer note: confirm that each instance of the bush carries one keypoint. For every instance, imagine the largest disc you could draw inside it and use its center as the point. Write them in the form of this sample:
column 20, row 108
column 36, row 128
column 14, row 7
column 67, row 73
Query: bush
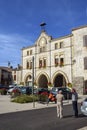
column 43, row 98
column 3, row 91
column 15, row 93
column 25, row 99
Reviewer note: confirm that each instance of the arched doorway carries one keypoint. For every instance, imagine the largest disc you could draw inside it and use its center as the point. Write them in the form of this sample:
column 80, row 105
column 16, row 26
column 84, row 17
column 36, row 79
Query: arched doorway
column 42, row 81
column 28, row 81
column 59, row 81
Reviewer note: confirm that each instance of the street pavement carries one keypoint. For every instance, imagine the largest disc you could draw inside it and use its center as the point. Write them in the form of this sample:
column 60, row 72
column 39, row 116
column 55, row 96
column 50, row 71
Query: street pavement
column 6, row 106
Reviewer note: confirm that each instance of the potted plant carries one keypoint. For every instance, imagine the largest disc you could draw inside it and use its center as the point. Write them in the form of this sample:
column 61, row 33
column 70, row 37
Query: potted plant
column 35, row 83
column 49, row 84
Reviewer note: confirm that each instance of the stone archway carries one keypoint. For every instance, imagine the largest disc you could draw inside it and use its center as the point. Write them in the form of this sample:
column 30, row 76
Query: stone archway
column 59, row 80
column 28, row 80
column 42, row 81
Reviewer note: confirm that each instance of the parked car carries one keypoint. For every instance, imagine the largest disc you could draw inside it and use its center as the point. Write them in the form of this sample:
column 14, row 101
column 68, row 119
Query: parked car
column 84, row 107
column 3, row 86
column 44, row 91
column 65, row 91
column 11, row 89
column 27, row 90
column 12, row 85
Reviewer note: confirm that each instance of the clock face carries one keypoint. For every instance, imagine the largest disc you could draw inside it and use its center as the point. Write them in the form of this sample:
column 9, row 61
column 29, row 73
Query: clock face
column 42, row 41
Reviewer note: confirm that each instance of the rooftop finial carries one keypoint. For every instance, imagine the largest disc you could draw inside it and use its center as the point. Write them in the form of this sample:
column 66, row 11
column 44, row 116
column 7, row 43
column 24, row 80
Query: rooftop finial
column 43, row 26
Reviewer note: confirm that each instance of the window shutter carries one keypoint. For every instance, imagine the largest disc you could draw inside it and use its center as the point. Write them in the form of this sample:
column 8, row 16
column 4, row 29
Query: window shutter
column 85, row 41
column 85, row 62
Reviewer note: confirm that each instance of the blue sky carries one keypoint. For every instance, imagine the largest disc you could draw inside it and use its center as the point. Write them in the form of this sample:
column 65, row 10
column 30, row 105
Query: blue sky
column 20, row 23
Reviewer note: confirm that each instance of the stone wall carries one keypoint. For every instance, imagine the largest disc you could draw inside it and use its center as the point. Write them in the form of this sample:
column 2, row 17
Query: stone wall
column 78, row 83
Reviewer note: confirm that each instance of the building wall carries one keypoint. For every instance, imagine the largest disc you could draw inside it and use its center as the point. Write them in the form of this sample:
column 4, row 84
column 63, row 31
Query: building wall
column 5, row 76
column 72, row 51
column 49, row 54
column 79, row 52
column 17, row 76
column 66, row 51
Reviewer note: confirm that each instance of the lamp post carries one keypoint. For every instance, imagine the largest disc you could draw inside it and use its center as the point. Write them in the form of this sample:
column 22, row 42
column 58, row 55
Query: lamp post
column 33, row 81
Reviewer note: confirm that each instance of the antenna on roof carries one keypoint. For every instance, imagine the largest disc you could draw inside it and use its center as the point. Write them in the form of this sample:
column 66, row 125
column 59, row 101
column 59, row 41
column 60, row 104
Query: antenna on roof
column 43, row 26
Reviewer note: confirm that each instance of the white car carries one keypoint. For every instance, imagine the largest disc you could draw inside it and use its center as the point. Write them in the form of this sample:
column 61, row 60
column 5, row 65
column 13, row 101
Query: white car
column 12, row 88
column 84, row 107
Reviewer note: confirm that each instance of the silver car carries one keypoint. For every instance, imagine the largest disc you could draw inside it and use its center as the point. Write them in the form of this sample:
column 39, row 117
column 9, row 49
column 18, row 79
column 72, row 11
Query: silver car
column 84, row 107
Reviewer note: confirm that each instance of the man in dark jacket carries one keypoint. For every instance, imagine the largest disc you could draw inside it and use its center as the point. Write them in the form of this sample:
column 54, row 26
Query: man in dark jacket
column 74, row 102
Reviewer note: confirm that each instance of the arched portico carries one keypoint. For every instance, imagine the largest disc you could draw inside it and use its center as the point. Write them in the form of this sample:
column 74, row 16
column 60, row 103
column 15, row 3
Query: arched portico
column 60, row 79
column 28, row 80
column 42, row 80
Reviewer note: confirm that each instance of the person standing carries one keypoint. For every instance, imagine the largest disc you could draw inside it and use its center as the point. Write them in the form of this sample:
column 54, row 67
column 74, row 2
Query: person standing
column 74, row 102
column 59, row 98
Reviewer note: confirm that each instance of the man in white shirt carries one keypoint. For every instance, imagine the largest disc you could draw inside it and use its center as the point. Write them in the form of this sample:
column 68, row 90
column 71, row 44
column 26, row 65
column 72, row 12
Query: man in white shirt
column 59, row 98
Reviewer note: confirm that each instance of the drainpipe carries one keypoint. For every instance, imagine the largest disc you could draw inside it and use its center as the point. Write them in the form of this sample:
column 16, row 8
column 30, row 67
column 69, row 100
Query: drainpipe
column 35, row 61
column 71, row 59
column 50, row 58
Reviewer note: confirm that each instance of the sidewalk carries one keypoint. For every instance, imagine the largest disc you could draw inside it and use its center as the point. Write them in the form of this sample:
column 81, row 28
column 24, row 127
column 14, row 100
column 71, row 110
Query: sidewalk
column 6, row 106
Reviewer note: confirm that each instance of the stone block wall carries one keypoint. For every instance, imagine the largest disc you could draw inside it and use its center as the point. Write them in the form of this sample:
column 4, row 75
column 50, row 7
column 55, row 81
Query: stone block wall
column 78, row 83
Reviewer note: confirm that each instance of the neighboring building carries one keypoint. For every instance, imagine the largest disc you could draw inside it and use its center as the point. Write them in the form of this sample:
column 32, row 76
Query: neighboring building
column 6, row 76
column 57, row 62
column 17, row 75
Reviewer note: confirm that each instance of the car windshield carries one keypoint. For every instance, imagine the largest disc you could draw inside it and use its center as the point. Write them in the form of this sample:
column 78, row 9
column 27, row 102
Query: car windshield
column 54, row 89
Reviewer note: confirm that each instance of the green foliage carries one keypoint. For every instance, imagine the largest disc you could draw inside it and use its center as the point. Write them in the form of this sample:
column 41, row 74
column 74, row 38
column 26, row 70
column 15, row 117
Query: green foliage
column 25, row 99
column 14, row 95
column 3, row 91
column 43, row 97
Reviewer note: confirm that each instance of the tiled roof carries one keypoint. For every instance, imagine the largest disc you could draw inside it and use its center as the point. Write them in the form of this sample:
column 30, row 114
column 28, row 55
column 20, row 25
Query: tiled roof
column 6, row 68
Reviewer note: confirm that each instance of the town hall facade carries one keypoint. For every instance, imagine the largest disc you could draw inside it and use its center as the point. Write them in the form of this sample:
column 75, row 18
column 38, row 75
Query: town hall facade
column 56, row 62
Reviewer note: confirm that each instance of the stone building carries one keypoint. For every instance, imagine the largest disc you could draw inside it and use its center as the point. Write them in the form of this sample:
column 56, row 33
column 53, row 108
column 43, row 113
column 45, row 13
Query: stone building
column 17, row 75
column 57, row 61
column 6, row 76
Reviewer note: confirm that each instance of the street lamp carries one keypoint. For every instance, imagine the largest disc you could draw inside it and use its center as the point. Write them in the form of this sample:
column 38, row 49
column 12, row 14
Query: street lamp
column 33, row 81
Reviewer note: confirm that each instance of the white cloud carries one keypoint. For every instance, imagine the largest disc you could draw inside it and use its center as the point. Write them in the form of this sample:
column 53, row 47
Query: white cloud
column 10, row 48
